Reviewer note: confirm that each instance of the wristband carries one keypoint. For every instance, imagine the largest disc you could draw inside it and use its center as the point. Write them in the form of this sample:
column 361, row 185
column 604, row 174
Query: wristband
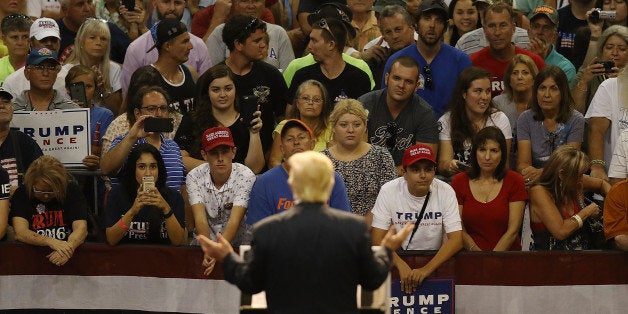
column 471, row 248
column 122, row 225
column 598, row 162
column 577, row 218
column 170, row 213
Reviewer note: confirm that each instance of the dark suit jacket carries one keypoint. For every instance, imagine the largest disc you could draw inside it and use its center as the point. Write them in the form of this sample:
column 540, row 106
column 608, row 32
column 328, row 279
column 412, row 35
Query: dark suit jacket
column 309, row 259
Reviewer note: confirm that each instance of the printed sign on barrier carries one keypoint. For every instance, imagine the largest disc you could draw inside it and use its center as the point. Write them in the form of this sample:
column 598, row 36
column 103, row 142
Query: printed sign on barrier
column 63, row 134
column 435, row 295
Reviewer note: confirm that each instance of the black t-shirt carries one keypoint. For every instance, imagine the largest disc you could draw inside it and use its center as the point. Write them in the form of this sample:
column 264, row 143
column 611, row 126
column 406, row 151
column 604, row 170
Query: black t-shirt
column 181, row 96
column 416, row 123
column 5, row 191
column 29, row 151
column 351, row 83
column 567, row 26
column 118, row 205
column 119, row 42
column 267, row 83
column 188, row 138
column 52, row 219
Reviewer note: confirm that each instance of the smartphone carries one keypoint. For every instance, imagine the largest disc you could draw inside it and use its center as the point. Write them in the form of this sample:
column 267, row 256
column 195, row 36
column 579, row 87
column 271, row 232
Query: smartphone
column 148, row 183
column 129, row 4
column 462, row 166
column 248, row 106
column 77, row 92
column 161, row 125
column 608, row 66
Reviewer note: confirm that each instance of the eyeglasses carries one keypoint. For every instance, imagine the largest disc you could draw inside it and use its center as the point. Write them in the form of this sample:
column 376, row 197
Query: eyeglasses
column 315, row 100
column 154, row 109
column 14, row 17
column 429, row 83
column 94, row 19
column 43, row 67
column 324, row 25
column 36, row 191
column 253, row 24
column 392, row 129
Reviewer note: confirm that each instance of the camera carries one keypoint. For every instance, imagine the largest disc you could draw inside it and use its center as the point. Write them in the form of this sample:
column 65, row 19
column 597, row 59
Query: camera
column 608, row 66
column 598, row 14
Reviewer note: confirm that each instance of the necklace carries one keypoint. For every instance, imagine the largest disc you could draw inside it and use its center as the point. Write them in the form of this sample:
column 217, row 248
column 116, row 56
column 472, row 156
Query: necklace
column 485, row 196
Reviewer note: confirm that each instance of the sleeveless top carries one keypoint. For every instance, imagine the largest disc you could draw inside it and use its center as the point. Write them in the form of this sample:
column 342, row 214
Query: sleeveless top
column 182, row 94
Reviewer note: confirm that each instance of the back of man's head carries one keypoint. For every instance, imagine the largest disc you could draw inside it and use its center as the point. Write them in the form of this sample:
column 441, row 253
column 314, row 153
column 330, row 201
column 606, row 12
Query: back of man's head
column 239, row 28
column 311, row 176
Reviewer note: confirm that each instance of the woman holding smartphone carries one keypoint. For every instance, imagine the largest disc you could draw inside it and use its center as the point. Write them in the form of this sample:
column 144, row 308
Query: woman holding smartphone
column 142, row 209
column 471, row 109
column 91, row 48
column 216, row 105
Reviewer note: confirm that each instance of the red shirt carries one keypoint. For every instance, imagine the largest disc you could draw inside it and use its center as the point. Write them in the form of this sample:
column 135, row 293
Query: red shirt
column 486, row 223
column 202, row 19
column 484, row 59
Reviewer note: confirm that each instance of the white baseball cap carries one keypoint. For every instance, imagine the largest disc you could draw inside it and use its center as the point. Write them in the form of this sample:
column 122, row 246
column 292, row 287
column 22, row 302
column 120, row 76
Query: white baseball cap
column 45, row 27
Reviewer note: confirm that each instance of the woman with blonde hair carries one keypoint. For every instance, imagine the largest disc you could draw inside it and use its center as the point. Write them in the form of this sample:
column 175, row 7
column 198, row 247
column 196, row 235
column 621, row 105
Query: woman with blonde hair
column 363, row 167
column 518, row 91
column 312, row 107
column 49, row 209
column 558, row 216
column 91, row 48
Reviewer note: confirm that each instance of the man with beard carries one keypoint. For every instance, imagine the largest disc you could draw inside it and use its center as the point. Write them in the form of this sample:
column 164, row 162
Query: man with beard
column 136, row 55
column 398, row 118
column 440, row 63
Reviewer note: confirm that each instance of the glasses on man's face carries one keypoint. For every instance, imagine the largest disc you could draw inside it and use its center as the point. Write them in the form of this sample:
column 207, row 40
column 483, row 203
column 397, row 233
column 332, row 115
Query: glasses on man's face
column 314, row 100
column 38, row 192
column 324, row 25
column 43, row 67
column 392, row 130
column 429, row 83
column 155, row 109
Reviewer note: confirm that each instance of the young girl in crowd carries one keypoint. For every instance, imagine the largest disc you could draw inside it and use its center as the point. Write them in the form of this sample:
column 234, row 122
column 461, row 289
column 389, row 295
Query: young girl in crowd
column 142, row 209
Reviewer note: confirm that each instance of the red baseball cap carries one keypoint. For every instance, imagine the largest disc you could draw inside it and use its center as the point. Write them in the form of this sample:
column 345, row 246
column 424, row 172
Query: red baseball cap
column 418, row 152
column 217, row 136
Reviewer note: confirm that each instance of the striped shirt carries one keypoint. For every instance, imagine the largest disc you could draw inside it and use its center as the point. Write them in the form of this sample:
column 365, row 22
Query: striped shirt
column 171, row 154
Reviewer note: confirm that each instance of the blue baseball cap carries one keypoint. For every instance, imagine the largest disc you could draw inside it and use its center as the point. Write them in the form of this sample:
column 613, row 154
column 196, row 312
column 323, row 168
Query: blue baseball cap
column 39, row 55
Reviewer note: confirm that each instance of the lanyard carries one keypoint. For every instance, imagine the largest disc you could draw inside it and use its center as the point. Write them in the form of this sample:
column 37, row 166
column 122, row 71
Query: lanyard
column 418, row 219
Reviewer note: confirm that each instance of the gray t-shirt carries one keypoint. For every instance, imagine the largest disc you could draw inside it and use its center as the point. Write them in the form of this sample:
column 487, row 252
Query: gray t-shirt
column 415, row 123
column 59, row 101
column 543, row 141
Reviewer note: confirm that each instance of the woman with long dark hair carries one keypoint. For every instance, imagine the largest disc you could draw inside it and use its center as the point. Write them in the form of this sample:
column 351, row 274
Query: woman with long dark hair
column 142, row 209
column 550, row 122
column 491, row 197
column 470, row 110
column 216, row 105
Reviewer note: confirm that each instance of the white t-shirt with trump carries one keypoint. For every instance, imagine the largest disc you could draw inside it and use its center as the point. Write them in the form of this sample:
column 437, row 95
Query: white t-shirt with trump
column 395, row 205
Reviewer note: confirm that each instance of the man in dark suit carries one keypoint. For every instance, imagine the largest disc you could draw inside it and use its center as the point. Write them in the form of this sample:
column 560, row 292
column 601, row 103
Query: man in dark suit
column 311, row 258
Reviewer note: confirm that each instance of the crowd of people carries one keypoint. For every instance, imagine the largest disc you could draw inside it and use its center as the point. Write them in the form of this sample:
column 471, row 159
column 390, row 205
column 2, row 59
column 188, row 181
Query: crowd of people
column 459, row 117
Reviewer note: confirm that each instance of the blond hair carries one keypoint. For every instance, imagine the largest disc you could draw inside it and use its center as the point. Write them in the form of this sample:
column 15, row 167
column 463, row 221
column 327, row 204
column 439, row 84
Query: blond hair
column 350, row 106
column 51, row 171
column 311, row 176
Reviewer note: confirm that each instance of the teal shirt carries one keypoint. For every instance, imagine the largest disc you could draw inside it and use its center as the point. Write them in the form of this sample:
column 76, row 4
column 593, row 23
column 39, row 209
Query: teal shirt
column 302, row 62
column 5, row 68
column 555, row 58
